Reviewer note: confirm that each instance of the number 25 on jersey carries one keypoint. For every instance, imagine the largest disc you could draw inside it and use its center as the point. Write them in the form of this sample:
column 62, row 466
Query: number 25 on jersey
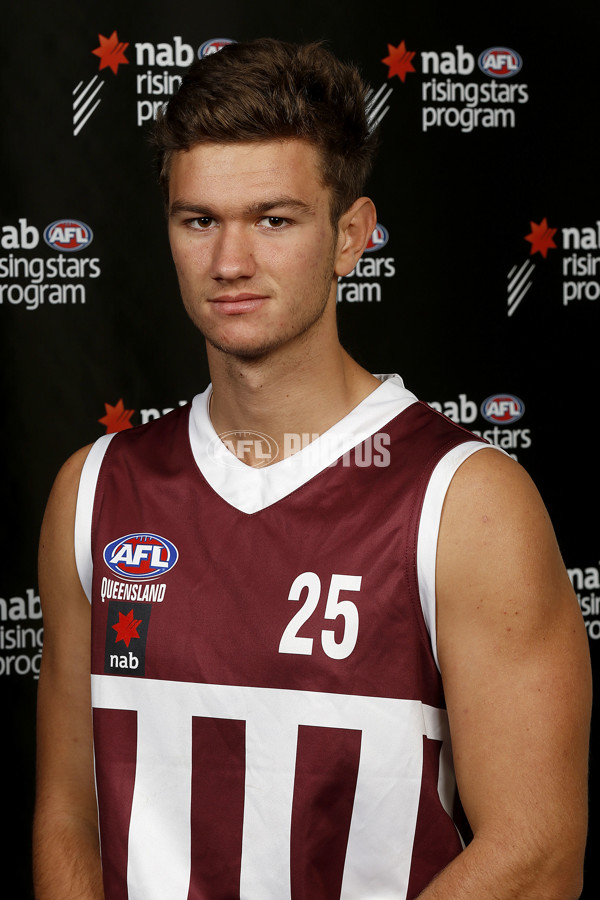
column 291, row 642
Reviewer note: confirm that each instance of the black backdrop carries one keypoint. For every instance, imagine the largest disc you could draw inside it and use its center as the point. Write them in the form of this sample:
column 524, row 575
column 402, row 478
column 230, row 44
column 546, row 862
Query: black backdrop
column 486, row 289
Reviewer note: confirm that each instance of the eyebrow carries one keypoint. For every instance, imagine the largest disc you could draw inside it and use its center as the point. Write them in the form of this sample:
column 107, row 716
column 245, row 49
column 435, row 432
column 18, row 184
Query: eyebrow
column 255, row 209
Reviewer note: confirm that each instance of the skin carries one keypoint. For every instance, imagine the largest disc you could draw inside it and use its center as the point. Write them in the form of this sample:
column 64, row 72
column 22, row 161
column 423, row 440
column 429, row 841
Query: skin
column 65, row 831
column 258, row 267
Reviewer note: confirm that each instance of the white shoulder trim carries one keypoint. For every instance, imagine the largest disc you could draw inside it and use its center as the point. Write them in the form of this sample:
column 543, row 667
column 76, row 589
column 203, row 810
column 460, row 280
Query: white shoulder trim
column 429, row 528
column 84, row 510
column 252, row 489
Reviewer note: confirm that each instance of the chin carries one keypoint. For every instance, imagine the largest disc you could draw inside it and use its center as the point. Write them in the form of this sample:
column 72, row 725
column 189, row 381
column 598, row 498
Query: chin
column 245, row 350
column 248, row 343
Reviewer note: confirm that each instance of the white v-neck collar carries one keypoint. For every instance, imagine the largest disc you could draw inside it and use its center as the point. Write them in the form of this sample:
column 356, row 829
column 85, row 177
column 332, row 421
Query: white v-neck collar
column 252, row 489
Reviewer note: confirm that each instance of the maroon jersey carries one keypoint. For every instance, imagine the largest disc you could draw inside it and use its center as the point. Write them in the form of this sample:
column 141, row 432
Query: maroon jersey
column 269, row 718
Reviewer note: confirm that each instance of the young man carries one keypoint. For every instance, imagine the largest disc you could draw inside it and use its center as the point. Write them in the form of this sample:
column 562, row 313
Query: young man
column 280, row 653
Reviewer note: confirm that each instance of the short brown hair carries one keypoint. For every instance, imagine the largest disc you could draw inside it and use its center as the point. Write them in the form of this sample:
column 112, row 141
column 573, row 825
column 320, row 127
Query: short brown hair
column 272, row 90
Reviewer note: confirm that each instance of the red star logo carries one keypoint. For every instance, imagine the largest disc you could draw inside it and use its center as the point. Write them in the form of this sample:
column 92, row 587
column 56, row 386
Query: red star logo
column 116, row 418
column 126, row 628
column 540, row 238
column 111, row 52
column 399, row 61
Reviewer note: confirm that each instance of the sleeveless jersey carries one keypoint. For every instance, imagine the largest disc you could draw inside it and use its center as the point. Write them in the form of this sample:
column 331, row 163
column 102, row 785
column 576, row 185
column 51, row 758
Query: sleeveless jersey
column 269, row 718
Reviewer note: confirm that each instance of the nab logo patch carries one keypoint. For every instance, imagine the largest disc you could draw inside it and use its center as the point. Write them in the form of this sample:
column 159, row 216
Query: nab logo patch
column 140, row 556
column 126, row 633
column 213, row 46
column 502, row 409
column 500, row 62
column 68, row 234
column 378, row 239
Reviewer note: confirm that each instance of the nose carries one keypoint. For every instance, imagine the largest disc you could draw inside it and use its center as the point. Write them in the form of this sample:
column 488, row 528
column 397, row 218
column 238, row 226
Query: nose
column 233, row 255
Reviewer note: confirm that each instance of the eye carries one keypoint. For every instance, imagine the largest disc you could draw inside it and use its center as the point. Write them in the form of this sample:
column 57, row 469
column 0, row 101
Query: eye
column 201, row 223
column 273, row 222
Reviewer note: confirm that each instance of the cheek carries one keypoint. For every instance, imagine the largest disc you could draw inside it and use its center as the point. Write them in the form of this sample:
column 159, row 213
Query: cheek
column 181, row 268
column 314, row 254
column 177, row 253
column 188, row 261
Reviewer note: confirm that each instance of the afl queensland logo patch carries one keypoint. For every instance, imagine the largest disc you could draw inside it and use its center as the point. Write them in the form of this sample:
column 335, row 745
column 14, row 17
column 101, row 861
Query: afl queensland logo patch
column 502, row 409
column 140, row 556
column 68, row 234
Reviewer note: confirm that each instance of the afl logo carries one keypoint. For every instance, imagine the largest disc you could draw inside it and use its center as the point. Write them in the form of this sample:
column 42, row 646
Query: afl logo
column 500, row 62
column 254, row 448
column 378, row 239
column 502, row 409
column 68, row 234
column 212, row 46
column 140, row 556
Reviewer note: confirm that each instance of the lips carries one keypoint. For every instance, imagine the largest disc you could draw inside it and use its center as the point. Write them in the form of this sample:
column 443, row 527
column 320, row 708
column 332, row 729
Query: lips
column 236, row 304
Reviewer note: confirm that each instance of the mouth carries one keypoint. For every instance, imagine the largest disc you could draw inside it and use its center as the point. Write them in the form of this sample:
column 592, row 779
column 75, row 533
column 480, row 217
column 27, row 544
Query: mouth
column 236, row 304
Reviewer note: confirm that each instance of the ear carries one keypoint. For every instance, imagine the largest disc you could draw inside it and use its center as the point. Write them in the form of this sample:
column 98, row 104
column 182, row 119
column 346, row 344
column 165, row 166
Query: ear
column 355, row 228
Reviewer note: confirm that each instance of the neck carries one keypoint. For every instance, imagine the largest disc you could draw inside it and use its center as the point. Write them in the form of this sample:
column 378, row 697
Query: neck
column 290, row 396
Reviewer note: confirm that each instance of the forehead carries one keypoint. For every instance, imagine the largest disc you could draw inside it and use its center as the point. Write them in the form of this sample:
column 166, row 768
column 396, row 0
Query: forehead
column 248, row 170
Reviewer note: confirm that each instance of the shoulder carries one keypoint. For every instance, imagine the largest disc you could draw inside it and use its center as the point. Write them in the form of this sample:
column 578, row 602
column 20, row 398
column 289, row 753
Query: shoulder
column 492, row 502
column 59, row 518
column 500, row 580
column 58, row 579
column 63, row 495
column 493, row 518
column 487, row 486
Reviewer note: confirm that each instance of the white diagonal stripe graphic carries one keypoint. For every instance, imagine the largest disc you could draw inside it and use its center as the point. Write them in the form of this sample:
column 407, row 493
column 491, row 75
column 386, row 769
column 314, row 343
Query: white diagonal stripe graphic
column 374, row 104
column 518, row 299
column 84, row 101
column 518, row 275
column 79, row 114
column 83, row 121
column 373, row 124
column 519, row 284
column 85, row 90
column 372, row 100
column 516, row 286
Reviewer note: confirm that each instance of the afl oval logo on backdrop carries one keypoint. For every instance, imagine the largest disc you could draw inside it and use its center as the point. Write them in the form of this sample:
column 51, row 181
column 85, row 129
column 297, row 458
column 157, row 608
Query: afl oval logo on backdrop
column 212, row 46
column 140, row 556
column 502, row 408
column 68, row 234
column 378, row 239
column 500, row 62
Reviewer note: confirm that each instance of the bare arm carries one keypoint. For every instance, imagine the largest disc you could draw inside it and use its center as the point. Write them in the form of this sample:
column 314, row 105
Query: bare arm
column 66, row 856
column 515, row 665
